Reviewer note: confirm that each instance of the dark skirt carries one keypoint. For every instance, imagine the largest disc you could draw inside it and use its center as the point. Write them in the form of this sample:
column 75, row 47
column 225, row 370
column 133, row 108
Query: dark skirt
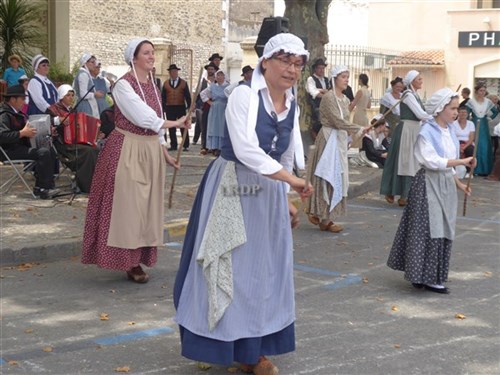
column 392, row 183
column 423, row 259
column 200, row 348
column 81, row 159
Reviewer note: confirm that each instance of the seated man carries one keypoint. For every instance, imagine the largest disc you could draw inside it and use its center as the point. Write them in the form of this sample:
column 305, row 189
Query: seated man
column 15, row 133
column 80, row 158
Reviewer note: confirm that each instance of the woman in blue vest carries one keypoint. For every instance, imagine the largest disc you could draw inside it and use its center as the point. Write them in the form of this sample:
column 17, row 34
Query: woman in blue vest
column 41, row 91
column 234, row 289
column 422, row 246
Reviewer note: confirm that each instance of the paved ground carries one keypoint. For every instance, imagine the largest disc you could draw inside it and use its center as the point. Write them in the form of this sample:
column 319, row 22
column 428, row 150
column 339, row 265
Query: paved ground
column 354, row 315
column 44, row 230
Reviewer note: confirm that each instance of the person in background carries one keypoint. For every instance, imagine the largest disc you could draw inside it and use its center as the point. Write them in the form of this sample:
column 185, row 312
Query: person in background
column 465, row 95
column 24, row 81
column 203, row 108
column 401, row 164
column 317, row 85
column 15, row 134
column 42, row 92
column 423, row 242
column 124, row 222
column 465, row 132
column 100, row 85
column 176, row 99
column 15, row 71
column 246, row 73
column 234, row 291
column 216, row 97
column 372, row 141
column 390, row 99
column 329, row 168
column 84, row 87
column 362, row 102
column 479, row 106
column 156, row 79
column 80, row 158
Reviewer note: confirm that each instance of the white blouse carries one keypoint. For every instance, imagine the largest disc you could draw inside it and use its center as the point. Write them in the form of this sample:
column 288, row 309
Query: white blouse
column 427, row 155
column 463, row 134
column 136, row 110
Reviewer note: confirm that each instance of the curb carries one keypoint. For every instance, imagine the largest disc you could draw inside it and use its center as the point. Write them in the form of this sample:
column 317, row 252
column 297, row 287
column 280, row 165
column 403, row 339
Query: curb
column 63, row 249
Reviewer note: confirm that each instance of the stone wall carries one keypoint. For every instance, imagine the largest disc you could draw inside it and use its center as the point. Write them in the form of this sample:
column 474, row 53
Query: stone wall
column 103, row 27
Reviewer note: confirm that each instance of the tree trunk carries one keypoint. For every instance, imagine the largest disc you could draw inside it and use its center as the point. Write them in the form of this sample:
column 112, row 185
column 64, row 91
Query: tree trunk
column 308, row 20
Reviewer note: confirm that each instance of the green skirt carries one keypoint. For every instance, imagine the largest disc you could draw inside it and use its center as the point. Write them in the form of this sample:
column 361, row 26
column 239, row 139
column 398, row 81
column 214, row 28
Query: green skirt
column 392, row 183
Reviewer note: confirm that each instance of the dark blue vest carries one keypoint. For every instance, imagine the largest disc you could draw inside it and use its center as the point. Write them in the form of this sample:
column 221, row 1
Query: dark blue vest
column 32, row 108
column 273, row 135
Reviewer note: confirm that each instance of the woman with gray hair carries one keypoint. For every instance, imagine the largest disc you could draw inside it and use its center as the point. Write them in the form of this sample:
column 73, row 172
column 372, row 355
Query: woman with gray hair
column 422, row 246
column 85, row 88
column 124, row 223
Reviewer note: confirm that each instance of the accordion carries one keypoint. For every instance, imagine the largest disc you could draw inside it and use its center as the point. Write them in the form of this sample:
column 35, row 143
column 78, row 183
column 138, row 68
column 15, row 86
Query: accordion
column 81, row 129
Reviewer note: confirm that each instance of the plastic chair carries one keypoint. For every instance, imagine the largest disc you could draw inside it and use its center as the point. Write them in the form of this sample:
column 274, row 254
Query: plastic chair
column 26, row 164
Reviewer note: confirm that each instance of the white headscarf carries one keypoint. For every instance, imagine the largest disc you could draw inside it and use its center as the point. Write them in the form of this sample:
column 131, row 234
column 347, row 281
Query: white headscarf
column 338, row 69
column 131, row 47
column 286, row 42
column 85, row 58
column 63, row 90
column 439, row 100
column 37, row 60
column 410, row 76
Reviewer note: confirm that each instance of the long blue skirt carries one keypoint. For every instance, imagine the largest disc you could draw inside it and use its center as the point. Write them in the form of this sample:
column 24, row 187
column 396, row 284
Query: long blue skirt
column 273, row 259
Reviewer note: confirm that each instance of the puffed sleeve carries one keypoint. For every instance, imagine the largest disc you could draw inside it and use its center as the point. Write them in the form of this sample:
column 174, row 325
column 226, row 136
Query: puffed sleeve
column 243, row 136
column 427, row 155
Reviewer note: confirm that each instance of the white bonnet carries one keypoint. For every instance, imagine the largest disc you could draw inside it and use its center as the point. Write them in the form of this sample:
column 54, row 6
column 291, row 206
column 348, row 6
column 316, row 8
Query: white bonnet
column 337, row 69
column 85, row 57
column 377, row 118
column 284, row 42
column 63, row 90
column 37, row 60
column 439, row 100
column 409, row 77
column 220, row 71
column 131, row 47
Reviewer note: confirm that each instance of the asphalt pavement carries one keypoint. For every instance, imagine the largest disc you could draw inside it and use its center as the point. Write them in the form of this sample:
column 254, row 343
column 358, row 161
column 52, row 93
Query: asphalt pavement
column 354, row 314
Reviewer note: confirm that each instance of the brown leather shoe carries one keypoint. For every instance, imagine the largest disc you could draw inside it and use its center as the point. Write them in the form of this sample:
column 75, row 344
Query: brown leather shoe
column 263, row 367
column 331, row 227
column 137, row 275
column 402, row 202
column 389, row 198
column 313, row 219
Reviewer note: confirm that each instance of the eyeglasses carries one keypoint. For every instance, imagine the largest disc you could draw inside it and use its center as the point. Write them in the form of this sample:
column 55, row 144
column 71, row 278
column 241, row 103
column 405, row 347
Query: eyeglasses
column 285, row 63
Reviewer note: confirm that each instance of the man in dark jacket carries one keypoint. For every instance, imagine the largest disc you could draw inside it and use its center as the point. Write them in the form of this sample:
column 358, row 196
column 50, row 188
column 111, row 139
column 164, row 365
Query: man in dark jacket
column 15, row 134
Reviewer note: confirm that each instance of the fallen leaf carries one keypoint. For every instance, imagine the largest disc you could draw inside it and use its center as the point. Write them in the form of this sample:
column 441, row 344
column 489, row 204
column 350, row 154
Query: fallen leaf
column 164, row 286
column 28, row 330
column 394, row 308
column 487, row 273
column 98, row 347
column 397, row 346
column 380, row 299
column 131, row 323
column 112, row 291
column 74, row 217
column 460, row 316
column 104, row 316
column 13, row 363
column 47, row 349
column 122, row 369
column 365, row 280
column 370, row 264
column 232, row 370
column 203, row 366
column 24, row 266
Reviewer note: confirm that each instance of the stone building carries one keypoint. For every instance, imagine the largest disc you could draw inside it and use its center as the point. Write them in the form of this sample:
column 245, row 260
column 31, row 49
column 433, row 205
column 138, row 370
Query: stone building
column 103, row 28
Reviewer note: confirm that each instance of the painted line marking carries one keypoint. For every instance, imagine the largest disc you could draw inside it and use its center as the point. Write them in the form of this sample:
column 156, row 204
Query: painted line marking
column 113, row 340
column 340, row 280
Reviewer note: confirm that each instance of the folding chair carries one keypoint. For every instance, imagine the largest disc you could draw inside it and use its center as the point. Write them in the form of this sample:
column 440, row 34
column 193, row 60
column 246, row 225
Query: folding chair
column 27, row 166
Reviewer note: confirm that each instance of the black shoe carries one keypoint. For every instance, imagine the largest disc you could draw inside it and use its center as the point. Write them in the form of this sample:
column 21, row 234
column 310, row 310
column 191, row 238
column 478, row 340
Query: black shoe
column 418, row 286
column 45, row 193
column 185, row 149
column 172, row 149
column 437, row 290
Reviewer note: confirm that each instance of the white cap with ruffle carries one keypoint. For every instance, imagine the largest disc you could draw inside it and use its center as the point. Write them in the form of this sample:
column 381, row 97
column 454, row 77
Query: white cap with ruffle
column 336, row 70
column 439, row 100
column 410, row 76
column 285, row 42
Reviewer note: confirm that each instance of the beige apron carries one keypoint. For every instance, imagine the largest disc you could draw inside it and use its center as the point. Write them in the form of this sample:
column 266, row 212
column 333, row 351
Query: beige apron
column 137, row 213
